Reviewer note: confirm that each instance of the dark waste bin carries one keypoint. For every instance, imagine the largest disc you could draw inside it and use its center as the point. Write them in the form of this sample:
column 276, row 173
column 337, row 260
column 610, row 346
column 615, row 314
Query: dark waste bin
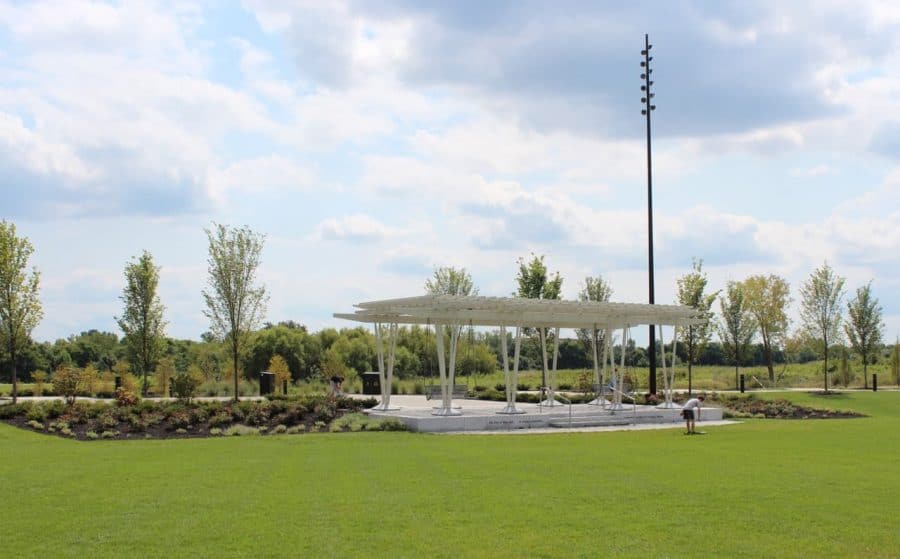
column 371, row 383
column 266, row 383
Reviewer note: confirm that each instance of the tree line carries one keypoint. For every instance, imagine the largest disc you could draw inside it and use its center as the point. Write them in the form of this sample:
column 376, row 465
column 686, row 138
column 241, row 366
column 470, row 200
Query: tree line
column 751, row 326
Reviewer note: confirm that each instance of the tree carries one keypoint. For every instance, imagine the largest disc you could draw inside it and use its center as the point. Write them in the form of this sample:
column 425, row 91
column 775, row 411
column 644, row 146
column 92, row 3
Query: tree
column 533, row 283
column 695, row 338
column 165, row 372
column 895, row 362
column 142, row 319
column 737, row 327
column 844, row 372
column 864, row 326
column 767, row 297
column 451, row 281
column 20, row 307
column 234, row 305
column 595, row 289
column 820, row 309
column 282, row 372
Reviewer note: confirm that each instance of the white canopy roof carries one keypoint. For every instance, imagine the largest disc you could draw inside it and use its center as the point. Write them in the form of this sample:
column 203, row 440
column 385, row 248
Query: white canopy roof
column 517, row 311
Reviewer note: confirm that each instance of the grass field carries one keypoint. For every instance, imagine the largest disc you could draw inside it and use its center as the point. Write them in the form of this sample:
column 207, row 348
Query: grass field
column 766, row 488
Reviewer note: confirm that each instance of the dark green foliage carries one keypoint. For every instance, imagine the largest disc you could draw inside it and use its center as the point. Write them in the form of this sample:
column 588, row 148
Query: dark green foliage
column 184, row 386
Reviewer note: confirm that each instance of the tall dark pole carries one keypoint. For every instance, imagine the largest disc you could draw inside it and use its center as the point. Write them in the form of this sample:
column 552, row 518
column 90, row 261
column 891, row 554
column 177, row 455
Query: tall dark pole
column 649, row 108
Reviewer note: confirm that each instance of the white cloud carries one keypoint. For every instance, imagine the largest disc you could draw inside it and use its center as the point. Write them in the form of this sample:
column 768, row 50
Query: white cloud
column 354, row 228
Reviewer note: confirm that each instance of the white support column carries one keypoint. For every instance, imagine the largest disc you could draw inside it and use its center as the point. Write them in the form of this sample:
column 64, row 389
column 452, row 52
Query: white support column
column 595, row 363
column 668, row 374
column 512, row 379
column 385, row 404
column 442, row 368
column 451, row 371
column 551, row 377
column 619, row 375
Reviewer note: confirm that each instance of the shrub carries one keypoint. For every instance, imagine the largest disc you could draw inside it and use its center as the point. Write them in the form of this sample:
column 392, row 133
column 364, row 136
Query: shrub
column 239, row 430
column 215, row 432
column 109, row 434
column 181, row 431
column 39, row 378
column 36, row 413
column 279, row 429
column 296, row 429
column 66, row 381
column 565, row 386
column 91, row 436
column 184, row 386
column 36, row 425
column 220, row 419
column 10, row 411
column 387, row 424
column 108, row 420
column 125, row 397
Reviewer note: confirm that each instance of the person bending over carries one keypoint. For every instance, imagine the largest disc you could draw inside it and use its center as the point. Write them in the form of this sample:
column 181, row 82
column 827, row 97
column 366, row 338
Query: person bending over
column 691, row 407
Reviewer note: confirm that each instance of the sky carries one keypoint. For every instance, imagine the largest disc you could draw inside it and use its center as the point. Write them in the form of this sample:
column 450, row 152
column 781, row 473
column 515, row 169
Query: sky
column 373, row 141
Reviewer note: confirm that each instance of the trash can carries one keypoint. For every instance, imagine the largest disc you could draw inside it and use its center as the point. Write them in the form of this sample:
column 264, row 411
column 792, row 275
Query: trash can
column 371, row 383
column 266, row 383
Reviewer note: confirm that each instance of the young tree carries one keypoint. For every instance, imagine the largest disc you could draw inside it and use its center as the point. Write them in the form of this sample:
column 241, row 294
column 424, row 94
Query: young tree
column 234, row 305
column 737, row 327
column 20, row 307
column 142, row 319
column 844, row 372
column 533, row 283
column 282, row 372
column 820, row 309
column 451, row 281
column 767, row 297
column 165, row 372
column 864, row 326
column 694, row 338
column 595, row 289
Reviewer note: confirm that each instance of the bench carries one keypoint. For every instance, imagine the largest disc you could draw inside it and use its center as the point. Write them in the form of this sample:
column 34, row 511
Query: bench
column 434, row 392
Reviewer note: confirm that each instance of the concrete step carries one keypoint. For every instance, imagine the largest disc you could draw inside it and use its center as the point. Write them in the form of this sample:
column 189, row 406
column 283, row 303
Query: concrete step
column 590, row 422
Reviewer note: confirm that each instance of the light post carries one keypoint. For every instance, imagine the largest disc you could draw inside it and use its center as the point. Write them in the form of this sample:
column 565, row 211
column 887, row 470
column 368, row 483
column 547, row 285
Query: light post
column 649, row 107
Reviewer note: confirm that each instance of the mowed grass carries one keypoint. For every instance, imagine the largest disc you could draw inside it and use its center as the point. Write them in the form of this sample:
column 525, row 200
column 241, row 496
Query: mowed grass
column 765, row 488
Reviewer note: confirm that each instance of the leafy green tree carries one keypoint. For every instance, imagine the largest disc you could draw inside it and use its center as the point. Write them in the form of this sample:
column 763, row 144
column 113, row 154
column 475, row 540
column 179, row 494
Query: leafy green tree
column 737, row 327
column 234, row 304
column 767, row 298
column 595, row 289
column 279, row 367
column 864, row 326
column 692, row 293
column 533, row 283
column 451, row 281
column 820, row 309
column 356, row 350
column 20, row 307
column 844, row 372
column 299, row 350
column 94, row 347
column 142, row 318
column 895, row 363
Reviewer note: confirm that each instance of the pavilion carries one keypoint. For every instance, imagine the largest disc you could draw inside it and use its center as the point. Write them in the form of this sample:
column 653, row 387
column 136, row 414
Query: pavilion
column 449, row 313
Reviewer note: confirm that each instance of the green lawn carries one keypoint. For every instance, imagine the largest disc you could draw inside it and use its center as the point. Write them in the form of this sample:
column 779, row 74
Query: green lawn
column 766, row 488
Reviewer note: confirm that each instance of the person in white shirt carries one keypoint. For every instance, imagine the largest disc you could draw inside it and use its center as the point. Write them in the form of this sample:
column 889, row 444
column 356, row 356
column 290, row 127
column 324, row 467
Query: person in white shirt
column 688, row 410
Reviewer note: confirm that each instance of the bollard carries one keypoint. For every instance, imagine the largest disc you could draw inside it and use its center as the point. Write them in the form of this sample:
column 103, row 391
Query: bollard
column 742, row 384
column 874, row 382
column 118, row 382
column 284, row 388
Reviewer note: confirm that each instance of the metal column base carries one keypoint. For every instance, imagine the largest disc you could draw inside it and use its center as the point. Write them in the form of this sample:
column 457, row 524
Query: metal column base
column 548, row 403
column 446, row 412
column 668, row 406
column 382, row 407
column 616, row 407
column 603, row 402
column 511, row 409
